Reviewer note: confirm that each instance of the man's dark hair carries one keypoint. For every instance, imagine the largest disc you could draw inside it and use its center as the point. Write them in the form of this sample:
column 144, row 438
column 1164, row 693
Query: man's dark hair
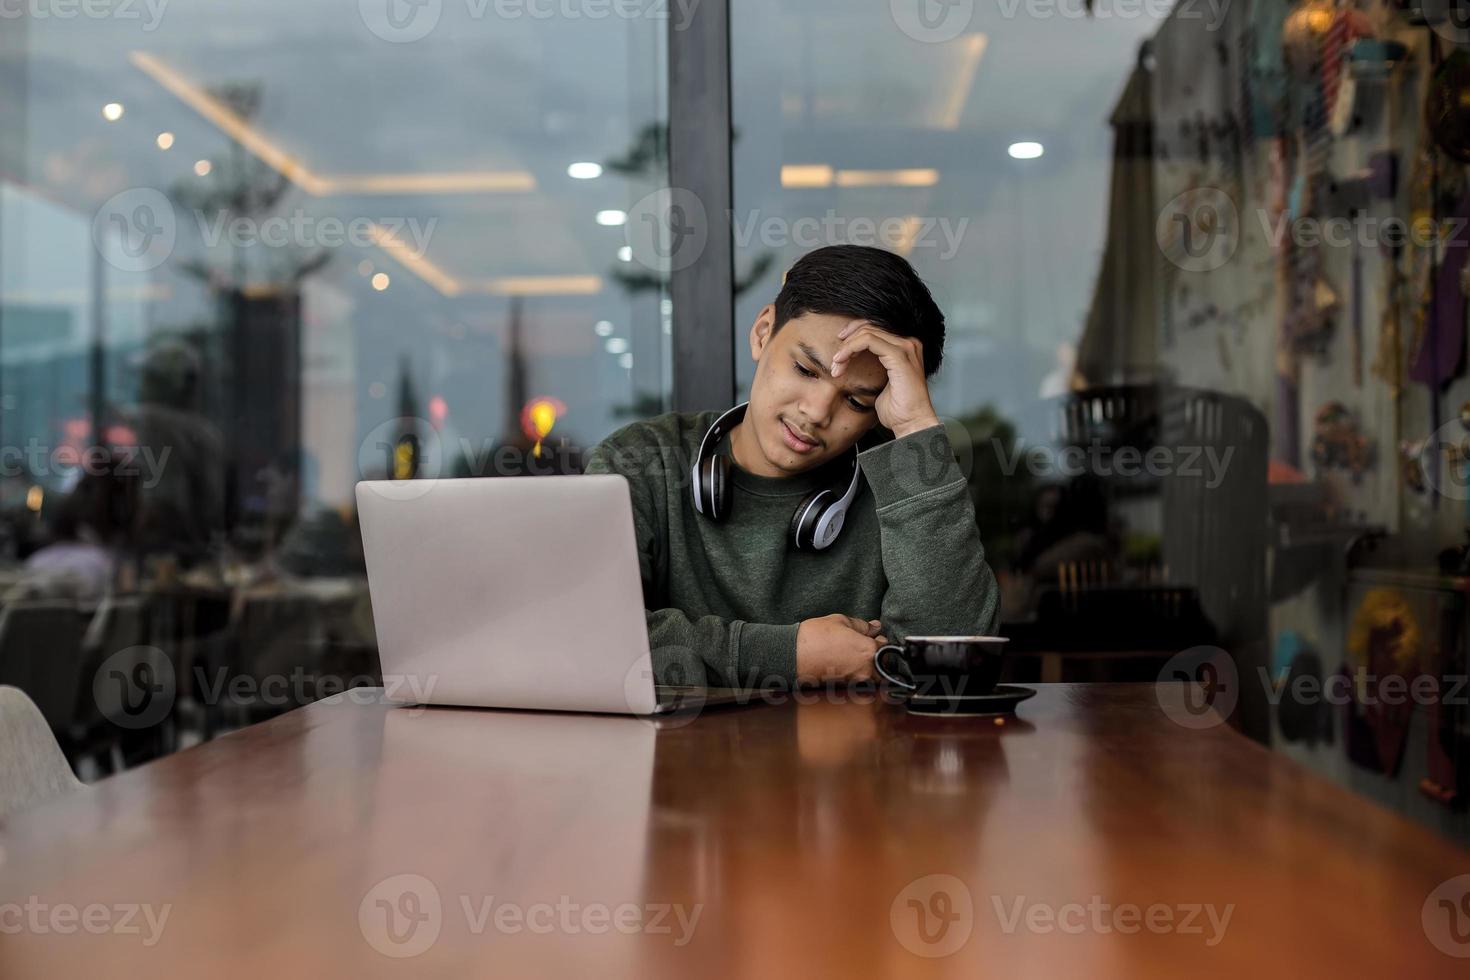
column 866, row 283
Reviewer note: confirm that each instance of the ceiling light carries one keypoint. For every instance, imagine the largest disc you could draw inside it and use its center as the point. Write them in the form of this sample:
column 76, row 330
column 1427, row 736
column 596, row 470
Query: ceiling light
column 165, row 140
column 1025, row 151
column 611, row 218
column 584, row 170
column 112, row 112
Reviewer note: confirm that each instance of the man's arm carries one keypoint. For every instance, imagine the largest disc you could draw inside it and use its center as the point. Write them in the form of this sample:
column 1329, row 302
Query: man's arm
column 689, row 650
column 938, row 579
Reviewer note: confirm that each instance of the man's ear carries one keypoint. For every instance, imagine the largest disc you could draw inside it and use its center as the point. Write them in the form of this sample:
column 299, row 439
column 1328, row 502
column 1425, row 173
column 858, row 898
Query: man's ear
column 761, row 330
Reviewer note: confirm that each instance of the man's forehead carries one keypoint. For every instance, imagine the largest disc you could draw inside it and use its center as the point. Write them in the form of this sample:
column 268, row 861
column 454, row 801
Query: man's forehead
column 819, row 350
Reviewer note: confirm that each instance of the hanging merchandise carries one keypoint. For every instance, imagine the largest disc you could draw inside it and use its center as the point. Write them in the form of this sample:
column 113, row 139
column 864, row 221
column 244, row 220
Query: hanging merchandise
column 1437, row 187
column 1338, row 442
column 1447, row 106
column 1362, row 90
column 1338, row 86
column 1448, row 739
column 1384, row 641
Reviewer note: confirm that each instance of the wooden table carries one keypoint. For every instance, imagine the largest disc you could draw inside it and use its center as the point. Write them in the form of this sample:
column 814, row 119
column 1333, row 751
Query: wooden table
column 791, row 840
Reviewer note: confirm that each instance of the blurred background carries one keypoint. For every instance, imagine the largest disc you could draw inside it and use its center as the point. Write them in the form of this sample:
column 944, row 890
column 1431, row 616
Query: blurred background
column 253, row 253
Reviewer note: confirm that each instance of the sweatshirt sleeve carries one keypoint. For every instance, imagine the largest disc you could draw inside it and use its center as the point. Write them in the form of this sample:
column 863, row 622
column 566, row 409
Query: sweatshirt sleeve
column 938, row 579
column 701, row 650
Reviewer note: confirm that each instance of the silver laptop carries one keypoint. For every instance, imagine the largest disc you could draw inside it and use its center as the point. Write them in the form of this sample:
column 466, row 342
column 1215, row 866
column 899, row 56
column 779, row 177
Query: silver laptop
column 513, row 592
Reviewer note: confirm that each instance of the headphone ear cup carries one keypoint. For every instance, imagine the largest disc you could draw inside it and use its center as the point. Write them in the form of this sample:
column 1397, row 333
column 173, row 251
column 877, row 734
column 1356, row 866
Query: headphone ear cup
column 715, row 485
column 804, row 521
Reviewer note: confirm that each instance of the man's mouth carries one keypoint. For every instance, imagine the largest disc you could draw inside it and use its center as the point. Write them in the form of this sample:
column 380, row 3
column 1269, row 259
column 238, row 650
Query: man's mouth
column 795, row 440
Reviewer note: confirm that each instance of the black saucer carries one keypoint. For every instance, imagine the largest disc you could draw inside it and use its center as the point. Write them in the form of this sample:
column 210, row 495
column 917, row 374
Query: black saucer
column 1001, row 701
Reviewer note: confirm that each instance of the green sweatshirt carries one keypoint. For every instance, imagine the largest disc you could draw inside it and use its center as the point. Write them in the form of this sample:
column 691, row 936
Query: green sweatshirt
column 724, row 600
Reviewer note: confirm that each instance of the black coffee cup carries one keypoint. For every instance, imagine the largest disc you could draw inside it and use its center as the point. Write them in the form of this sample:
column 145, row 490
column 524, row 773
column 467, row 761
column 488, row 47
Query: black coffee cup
column 943, row 666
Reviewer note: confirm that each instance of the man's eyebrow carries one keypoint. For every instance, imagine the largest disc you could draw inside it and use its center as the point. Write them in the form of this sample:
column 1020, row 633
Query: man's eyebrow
column 817, row 362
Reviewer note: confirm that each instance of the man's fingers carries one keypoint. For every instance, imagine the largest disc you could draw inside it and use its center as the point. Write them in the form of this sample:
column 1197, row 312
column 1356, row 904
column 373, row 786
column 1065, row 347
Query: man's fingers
column 861, row 625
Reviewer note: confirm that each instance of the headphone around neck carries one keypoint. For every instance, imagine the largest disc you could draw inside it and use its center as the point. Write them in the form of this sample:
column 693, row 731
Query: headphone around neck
column 818, row 517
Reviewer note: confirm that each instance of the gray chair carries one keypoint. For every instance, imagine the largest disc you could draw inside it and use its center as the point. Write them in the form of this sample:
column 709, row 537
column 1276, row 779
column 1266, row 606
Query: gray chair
column 41, row 653
column 32, row 766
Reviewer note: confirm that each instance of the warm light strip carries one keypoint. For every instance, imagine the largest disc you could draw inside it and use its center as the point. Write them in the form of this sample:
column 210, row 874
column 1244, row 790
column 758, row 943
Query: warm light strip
column 414, row 261
column 882, row 178
column 954, row 107
column 484, row 182
column 228, row 121
column 322, row 185
column 539, row 285
column 806, row 175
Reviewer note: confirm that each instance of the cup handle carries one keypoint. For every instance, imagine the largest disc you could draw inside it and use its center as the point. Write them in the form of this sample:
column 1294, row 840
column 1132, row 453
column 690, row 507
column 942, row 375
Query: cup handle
column 878, row 666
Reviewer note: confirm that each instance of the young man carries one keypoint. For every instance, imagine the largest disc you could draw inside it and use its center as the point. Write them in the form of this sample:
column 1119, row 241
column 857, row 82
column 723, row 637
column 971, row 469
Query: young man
column 848, row 345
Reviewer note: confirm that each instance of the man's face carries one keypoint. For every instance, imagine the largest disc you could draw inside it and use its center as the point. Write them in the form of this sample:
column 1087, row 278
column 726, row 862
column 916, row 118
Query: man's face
column 794, row 389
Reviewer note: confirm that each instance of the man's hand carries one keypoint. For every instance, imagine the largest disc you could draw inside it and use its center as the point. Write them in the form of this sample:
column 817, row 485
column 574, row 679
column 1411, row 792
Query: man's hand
column 904, row 405
column 836, row 648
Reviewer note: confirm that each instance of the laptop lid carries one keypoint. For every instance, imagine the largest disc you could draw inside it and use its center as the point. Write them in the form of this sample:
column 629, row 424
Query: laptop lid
column 513, row 592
